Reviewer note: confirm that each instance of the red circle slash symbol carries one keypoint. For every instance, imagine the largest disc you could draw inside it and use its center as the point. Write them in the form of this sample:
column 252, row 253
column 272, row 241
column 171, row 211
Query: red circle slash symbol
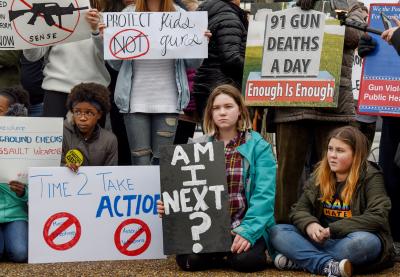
column 129, row 44
column 123, row 246
column 50, row 237
column 43, row 23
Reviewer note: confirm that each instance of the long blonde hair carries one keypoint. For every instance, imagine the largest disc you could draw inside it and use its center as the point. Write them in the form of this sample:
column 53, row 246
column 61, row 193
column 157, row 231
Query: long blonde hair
column 244, row 122
column 326, row 179
column 165, row 6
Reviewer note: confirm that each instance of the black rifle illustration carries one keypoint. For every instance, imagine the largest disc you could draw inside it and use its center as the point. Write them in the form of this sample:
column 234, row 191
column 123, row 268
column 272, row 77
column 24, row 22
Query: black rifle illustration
column 46, row 10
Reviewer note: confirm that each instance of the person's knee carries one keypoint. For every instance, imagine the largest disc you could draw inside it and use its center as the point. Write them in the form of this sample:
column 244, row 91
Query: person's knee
column 18, row 254
column 190, row 262
column 247, row 262
column 364, row 244
column 141, row 153
column 279, row 230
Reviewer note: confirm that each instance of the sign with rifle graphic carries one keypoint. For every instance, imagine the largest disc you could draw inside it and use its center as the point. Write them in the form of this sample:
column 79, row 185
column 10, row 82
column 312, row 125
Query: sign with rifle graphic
column 36, row 23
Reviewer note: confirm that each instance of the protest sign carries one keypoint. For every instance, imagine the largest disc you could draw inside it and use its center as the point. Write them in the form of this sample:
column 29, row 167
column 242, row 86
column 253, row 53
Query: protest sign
column 100, row 213
column 28, row 141
column 36, row 23
column 380, row 79
column 301, row 53
column 195, row 196
column 155, row 35
column 357, row 64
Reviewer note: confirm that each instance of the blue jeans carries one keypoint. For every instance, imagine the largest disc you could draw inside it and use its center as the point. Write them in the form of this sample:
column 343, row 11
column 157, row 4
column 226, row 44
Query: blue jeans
column 14, row 240
column 359, row 247
column 146, row 133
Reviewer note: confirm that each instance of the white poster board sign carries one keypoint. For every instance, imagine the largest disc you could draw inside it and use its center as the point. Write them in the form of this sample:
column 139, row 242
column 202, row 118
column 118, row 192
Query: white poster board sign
column 293, row 43
column 28, row 141
column 36, row 23
column 101, row 213
column 156, row 35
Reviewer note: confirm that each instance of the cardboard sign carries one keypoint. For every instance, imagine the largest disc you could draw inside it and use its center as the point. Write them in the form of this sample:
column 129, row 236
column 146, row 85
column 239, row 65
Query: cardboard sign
column 155, row 35
column 36, row 23
column 28, row 141
column 195, row 196
column 380, row 80
column 301, row 53
column 100, row 213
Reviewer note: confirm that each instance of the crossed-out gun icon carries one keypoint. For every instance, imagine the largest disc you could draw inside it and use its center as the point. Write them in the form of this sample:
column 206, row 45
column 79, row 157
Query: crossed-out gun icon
column 47, row 10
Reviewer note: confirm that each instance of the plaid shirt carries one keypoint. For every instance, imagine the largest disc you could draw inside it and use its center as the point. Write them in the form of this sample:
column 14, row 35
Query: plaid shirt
column 234, row 176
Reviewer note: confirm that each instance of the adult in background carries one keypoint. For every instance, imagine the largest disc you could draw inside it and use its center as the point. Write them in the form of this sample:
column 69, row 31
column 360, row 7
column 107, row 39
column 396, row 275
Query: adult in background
column 297, row 127
column 9, row 70
column 151, row 93
column 116, row 118
column 389, row 152
column 70, row 64
column 228, row 24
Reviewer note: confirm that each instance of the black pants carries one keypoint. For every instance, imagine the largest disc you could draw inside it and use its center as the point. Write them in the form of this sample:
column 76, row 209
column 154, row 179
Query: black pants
column 54, row 103
column 390, row 139
column 252, row 260
column 184, row 131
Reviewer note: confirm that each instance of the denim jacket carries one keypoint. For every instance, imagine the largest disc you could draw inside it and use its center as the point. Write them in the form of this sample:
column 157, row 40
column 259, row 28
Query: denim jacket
column 123, row 88
column 259, row 171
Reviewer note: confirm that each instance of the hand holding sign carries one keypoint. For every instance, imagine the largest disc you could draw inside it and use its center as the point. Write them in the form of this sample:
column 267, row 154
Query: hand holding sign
column 18, row 188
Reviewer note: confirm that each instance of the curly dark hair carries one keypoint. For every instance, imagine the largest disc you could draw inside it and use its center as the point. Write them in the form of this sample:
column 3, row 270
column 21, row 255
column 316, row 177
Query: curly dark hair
column 16, row 95
column 90, row 92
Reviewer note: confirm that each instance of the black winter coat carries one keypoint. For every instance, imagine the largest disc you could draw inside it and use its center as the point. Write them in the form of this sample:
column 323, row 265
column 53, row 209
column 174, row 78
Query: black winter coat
column 228, row 25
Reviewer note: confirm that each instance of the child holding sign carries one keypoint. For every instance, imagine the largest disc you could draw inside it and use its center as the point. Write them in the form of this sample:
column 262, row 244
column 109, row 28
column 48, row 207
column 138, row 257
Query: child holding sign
column 84, row 141
column 342, row 218
column 14, row 195
column 250, row 171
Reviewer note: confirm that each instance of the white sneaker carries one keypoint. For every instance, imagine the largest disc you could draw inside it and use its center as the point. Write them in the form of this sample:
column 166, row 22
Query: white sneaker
column 283, row 262
column 338, row 269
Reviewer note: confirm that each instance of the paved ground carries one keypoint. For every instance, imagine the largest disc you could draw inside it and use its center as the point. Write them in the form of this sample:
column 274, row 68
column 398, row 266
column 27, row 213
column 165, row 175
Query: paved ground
column 158, row 268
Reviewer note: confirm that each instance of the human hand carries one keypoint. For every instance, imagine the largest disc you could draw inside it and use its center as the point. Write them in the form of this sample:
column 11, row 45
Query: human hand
column 102, row 26
column 387, row 35
column 306, row 4
column 208, row 34
column 93, row 18
column 73, row 167
column 240, row 244
column 17, row 187
column 160, row 208
column 316, row 232
column 366, row 45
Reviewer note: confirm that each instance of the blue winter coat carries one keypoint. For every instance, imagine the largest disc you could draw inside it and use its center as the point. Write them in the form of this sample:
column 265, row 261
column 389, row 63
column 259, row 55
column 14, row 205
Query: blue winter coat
column 259, row 173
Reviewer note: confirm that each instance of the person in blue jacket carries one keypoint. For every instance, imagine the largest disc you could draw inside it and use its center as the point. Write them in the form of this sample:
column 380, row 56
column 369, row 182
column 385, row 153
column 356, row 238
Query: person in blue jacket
column 250, row 172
